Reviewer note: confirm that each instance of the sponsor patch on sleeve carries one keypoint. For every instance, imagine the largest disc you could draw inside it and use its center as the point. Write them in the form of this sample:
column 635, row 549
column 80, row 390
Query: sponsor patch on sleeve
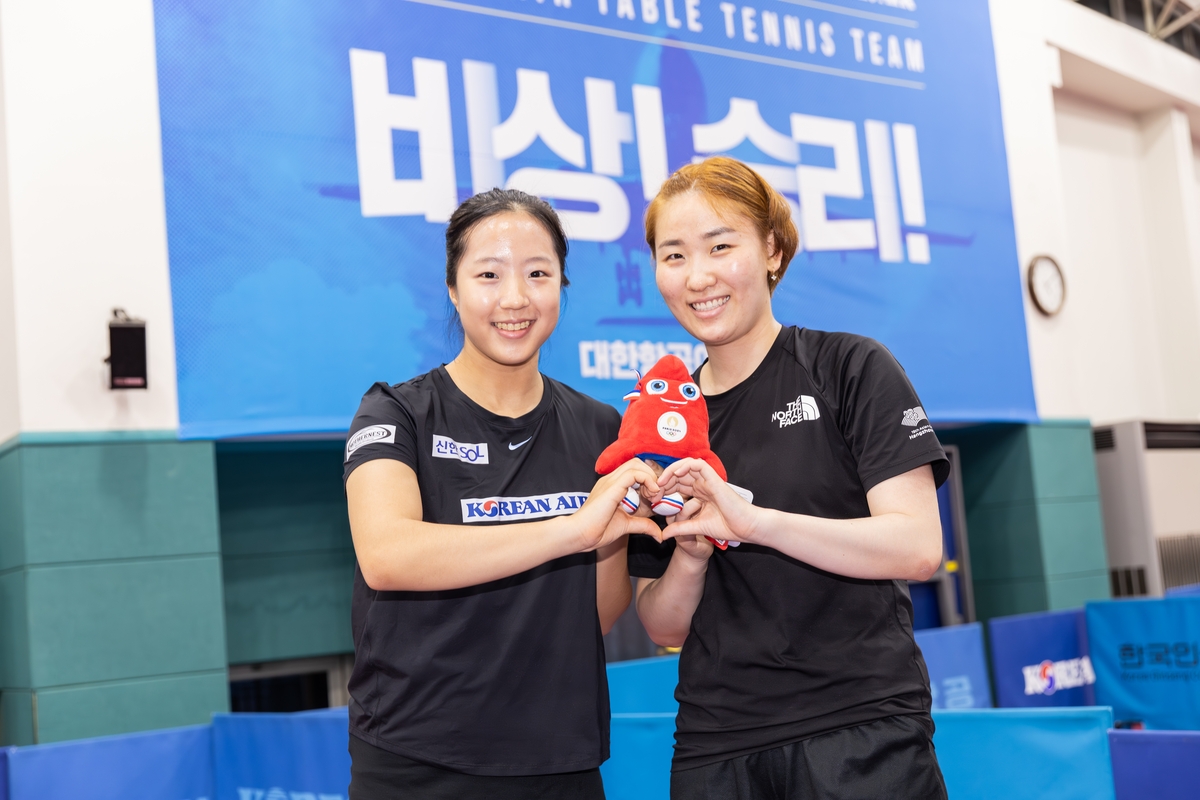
column 493, row 509
column 372, row 434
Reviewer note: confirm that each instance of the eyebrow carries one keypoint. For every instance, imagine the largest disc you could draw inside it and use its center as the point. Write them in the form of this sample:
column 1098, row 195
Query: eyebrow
column 500, row 260
column 715, row 232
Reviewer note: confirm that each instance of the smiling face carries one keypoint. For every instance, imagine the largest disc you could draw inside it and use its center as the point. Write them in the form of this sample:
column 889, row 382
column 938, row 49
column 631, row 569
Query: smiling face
column 711, row 268
column 508, row 288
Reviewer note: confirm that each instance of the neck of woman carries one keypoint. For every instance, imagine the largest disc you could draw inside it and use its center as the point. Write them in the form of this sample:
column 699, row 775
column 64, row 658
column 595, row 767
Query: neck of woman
column 732, row 362
column 505, row 390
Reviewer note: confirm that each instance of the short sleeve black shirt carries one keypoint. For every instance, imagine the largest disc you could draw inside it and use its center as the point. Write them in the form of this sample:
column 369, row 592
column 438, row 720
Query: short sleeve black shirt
column 779, row 650
column 505, row 678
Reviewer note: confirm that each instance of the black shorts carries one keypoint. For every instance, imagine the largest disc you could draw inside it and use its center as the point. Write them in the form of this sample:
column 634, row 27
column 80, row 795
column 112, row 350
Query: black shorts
column 890, row 758
column 376, row 774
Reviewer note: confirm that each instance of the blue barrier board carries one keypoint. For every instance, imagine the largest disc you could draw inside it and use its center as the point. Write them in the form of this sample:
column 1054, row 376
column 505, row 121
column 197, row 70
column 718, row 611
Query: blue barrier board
column 174, row 764
column 1163, row 765
column 639, row 767
column 643, row 685
column 259, row 756
column 958, row 675
column 1033, row 753
column 1042, row 660
column 1146, row 654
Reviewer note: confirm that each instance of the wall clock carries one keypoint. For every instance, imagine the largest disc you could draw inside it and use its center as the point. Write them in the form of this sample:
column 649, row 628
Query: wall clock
column 1047, row 287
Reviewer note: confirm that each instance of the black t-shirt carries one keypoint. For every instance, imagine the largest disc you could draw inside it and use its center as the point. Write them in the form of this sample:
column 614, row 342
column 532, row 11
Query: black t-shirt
column 779, row 650
column 505, row 678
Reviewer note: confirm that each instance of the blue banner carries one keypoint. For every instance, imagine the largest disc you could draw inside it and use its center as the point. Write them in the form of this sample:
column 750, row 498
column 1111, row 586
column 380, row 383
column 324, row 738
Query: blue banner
column 175, row 764
column 1146, row 654
column 957, row 667
column 313, row 152
column 1042, row 660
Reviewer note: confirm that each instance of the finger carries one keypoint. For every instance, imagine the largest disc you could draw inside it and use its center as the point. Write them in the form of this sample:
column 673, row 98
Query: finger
column 691, row 507
column 643, row 525
column 636, row 471
column 690, row 527
column 676, row 529
column 680, row 467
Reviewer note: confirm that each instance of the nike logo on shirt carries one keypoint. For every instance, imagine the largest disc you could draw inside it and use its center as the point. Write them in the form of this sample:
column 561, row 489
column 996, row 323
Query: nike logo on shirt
column 512, row 446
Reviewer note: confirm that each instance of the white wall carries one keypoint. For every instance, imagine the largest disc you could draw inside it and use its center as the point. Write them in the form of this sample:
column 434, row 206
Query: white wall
column 86, row 223
column 10, row 421
column 1117, row 356
column 1101, row 173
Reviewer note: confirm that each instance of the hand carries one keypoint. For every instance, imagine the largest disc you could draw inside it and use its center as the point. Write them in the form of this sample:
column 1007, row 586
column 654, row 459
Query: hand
column 601, row 520
column 722, row 513
column 696, row 548
column 646, row 493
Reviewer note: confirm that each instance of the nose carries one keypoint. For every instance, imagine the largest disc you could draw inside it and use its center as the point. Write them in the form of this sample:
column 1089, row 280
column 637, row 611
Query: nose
column 512, row 293
column 699, row 278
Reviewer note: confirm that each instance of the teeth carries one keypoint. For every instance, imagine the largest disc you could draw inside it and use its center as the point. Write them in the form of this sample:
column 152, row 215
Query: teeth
column 709, row 305
column 512, row 326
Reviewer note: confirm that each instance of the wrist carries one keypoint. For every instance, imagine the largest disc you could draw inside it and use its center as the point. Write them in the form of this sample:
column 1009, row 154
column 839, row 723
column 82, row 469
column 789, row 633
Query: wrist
column 761, row 526
column 569, row 534
column 688, row 564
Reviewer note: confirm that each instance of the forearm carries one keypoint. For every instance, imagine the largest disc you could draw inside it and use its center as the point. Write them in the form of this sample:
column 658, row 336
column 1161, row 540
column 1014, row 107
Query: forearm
column 426, row 557
column 613, row 591
column 885, row 547
column 666, row 605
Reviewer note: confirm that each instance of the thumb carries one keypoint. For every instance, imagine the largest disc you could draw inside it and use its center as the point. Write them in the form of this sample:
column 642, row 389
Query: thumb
column 684, row 527
column 644, row 525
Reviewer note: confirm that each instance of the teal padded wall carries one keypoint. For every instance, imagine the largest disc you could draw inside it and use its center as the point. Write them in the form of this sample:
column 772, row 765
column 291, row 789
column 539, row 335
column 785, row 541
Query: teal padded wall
column 110, row 587
column 1033, row 516
column 288, row 557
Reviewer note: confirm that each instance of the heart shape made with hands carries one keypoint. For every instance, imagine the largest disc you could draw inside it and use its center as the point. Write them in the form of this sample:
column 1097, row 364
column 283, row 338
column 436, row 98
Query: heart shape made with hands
column 666, row 420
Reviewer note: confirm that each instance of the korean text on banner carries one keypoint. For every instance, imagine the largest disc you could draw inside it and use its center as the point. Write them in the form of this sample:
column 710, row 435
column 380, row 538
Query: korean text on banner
column 1146, row 654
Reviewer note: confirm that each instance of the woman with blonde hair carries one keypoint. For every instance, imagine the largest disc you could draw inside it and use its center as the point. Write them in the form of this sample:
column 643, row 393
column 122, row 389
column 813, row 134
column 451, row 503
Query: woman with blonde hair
column 799, row 675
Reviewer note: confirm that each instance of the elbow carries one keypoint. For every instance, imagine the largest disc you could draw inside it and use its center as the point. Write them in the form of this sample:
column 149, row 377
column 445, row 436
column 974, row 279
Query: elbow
column 662, row 637
column 925, row 570
column 376, row 576
column 926, row 564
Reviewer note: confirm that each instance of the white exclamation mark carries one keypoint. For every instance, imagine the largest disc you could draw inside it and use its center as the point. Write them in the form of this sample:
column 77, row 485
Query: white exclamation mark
column 483, row 115
column 912, row 195
column 883, row 190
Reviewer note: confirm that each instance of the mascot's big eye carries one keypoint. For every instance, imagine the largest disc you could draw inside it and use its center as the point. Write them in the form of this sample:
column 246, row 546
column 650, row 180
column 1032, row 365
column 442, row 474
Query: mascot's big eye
column 690, row 391
column 656, row 386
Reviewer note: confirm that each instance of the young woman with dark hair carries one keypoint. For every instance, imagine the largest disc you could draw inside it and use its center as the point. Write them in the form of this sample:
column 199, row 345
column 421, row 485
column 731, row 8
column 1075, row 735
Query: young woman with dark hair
column 799, row 675
column 479, row 659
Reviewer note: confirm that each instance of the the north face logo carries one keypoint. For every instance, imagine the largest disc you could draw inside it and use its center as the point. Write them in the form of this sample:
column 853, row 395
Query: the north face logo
column 913, row 416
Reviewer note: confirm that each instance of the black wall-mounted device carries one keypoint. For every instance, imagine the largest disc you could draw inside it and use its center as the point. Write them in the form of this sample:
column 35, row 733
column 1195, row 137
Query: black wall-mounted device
column 127, row 351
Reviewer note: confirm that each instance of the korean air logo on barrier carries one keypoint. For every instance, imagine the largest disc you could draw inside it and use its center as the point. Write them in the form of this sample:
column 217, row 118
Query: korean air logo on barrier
column 372, row 434
column 445, row 447
column 495, row 509
column 1049, row 677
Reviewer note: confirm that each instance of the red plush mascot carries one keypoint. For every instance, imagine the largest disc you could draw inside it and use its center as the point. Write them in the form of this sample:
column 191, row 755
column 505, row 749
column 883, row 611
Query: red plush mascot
column 667, row 419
